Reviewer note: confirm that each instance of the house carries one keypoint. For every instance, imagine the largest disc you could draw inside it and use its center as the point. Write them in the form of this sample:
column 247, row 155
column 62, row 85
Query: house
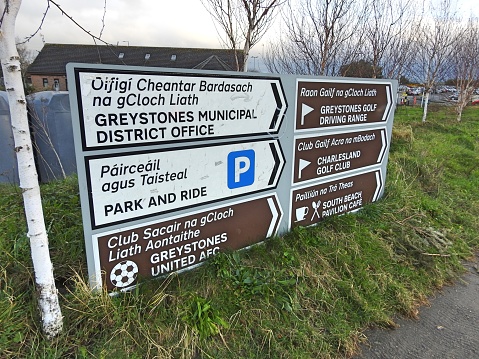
column 47, row 72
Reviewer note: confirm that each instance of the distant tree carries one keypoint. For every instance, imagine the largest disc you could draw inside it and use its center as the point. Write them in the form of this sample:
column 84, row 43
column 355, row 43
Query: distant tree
column 466, row 64
column 317, row 37
column 361, row 68
column 403, row 80
column 244, row 23
column 387, row 35
column 433, row 47
column 26, row 58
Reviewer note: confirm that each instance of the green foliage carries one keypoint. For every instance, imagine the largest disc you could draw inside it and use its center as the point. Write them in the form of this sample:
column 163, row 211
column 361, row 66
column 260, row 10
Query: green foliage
column 306, row 294
column 203, row 318
column 12, row 318
column 248, row 282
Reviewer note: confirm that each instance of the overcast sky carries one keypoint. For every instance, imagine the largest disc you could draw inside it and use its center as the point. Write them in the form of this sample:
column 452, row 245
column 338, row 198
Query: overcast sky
column 176, row 23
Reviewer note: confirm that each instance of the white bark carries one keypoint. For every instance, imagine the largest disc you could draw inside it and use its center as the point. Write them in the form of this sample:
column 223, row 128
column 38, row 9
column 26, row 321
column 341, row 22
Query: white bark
column 426, row 102
column 466, row 64
column 52, row 322
column 434, row 47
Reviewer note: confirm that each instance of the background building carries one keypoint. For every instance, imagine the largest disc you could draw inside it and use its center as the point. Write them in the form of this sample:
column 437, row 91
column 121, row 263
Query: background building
column 47, row 72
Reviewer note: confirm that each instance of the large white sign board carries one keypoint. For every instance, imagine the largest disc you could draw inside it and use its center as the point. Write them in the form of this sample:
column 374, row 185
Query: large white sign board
column 141, row 184
column 177, row 165
column 125, row 109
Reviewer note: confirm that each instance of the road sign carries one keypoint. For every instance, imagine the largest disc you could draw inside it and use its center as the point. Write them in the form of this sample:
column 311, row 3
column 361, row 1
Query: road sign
column 323, row 103
column 175, row 165
column 130, row 186
column 311, row 204
column 322, row 156
column 157, row 248
column 131, row 108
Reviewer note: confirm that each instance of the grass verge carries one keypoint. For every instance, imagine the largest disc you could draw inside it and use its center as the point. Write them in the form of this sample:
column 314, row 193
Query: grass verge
column 309, row 294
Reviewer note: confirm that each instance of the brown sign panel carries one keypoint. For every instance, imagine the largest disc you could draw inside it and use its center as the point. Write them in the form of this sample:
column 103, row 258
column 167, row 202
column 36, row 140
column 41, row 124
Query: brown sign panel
column 322, row 156
column 159, row 248
column 325, row 104
column 311, row 204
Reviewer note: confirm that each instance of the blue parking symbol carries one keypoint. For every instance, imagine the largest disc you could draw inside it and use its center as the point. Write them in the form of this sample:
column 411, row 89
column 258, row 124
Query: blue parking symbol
column 241, row 168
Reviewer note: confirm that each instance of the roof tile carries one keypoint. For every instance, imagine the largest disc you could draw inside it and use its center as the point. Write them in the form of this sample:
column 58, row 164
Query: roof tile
column 53, row 58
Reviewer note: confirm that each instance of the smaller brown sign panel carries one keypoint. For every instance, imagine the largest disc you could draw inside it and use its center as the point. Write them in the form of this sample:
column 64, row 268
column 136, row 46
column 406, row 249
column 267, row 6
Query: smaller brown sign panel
column 322, row 104
column 164, row 247
column 312, row 204
column 322, row 156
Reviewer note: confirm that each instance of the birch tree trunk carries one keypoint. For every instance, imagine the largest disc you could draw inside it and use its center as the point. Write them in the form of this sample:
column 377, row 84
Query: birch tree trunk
column 52, row 321
column 246, row 50
column 426, row 103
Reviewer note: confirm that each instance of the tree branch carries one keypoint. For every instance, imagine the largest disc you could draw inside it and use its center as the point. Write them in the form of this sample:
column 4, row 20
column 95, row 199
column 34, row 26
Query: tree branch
column 28, row 38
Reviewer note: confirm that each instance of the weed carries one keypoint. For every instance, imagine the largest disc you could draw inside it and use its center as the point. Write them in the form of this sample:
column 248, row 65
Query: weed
column 203, row 318
column 248, row 282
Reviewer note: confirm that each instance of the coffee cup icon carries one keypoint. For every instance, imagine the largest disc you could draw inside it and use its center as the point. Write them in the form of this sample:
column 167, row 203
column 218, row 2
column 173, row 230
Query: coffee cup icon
column 301, row 213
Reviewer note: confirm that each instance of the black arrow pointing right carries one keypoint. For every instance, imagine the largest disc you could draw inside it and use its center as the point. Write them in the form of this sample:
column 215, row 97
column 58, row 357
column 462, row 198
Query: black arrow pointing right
column 278, row 163
column 279, row 106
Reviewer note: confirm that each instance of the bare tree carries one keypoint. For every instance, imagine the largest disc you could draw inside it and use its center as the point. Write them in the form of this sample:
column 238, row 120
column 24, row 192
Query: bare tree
column 387, row 35
column 244, row 23
column 466, row 64
column 399, row 56
column 52, row 321
column 319, row 36
column 434, row 47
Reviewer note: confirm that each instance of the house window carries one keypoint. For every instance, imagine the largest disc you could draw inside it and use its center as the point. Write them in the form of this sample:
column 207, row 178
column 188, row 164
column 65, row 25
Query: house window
column 29, row 80
column 66, row 84
column 147, row 56
column 121, row 55
column 56, row 84
column 45, row 82
column 173, row 57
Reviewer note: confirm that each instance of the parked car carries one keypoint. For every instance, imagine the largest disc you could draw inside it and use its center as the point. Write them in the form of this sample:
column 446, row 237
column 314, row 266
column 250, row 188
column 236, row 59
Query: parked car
column 475, row 102
column 441, row 89
column 414, row 91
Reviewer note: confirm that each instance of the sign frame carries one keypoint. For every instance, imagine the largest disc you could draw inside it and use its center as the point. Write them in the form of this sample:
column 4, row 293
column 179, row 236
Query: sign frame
column 280, row 107
column 377, row 193
column 276, row 154
column 277, row 218
column 321, row 178
column 388, row 111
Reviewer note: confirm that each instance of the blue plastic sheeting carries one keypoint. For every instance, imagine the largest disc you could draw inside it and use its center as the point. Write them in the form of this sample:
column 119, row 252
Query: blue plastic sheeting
column 51, row 126
column 8, row 160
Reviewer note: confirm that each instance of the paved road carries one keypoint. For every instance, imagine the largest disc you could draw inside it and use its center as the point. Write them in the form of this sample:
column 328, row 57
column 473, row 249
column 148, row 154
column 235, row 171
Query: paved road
column 447, row 329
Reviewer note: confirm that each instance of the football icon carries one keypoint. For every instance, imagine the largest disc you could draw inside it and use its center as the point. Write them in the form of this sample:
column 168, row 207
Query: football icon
column 123, row 274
